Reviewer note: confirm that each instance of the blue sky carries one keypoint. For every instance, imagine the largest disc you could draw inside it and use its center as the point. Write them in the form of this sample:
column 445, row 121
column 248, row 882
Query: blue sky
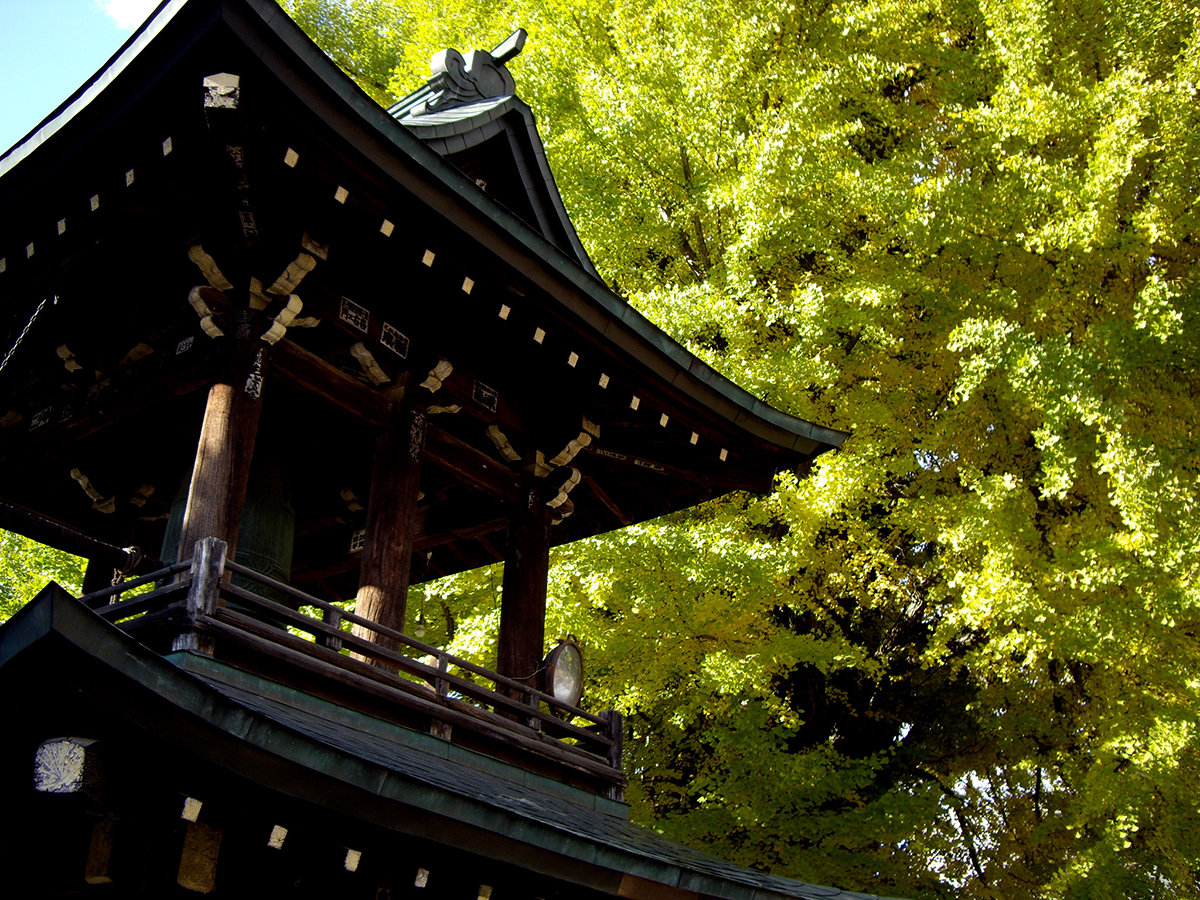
column 48, row 48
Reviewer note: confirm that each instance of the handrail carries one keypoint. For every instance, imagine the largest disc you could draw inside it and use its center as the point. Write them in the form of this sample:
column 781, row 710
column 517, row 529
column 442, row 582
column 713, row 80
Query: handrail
column 510, row 706
column 416, row 667
column 142, row 603
column 428, row 650
column 232, row 626
column 91, row 600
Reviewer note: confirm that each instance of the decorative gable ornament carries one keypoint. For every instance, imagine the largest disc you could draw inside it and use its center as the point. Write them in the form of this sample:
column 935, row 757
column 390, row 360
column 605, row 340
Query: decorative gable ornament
column 460, row 80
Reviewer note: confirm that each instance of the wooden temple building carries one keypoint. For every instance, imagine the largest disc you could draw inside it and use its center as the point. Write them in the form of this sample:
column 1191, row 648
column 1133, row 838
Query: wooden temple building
column 302, row 350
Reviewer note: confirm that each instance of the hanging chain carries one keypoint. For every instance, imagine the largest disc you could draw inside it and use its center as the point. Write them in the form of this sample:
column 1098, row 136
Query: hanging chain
column 25, row 331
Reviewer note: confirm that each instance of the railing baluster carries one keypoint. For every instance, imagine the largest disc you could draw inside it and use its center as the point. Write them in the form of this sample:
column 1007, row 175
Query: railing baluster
column 441, row 685
column 615, row 730
column 533, row 721
column 332, row 617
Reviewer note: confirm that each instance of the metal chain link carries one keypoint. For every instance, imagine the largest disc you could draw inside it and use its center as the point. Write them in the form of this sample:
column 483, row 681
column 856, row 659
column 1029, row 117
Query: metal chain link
column 25, row 331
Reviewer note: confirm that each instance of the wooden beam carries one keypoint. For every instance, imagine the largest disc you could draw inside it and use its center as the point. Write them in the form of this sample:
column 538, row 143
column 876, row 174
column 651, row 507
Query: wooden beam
column 208, row 570
column 733, row 478
column 421, row 543
column 96, row 869
column 472, row 466
column 459, row 387
column 330, row 384
column 465, row 533
column 37, row 527
column 391, row 515
column 320, row 379
column 608, row 502
column 523, row 597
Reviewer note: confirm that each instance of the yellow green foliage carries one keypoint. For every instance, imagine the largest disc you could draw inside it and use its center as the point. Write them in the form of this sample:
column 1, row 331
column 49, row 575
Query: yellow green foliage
column 960, row 657
column 27, row 566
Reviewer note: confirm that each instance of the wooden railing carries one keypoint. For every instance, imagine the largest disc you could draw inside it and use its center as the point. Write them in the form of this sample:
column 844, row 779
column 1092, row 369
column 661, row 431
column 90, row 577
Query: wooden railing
column 191, row 604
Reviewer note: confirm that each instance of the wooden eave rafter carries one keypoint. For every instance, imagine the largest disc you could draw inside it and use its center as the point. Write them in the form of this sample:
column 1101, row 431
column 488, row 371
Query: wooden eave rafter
column 403, row 160
column 540, row 306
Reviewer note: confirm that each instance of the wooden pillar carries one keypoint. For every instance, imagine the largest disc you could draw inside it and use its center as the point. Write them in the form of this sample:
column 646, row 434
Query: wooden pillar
column 391, row 513
column 523, row 601
column 217, row 492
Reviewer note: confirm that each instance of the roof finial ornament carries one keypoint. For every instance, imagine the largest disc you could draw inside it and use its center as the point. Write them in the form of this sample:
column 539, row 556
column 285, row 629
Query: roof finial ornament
column 479, row 75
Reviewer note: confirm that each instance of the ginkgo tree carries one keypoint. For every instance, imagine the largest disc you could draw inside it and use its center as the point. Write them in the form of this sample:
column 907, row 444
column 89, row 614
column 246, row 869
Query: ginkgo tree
column 957, row 657
column 27, row 566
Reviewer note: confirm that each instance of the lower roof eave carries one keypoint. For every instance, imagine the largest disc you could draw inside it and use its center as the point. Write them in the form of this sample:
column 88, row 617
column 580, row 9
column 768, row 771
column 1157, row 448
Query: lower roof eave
column 418, row 793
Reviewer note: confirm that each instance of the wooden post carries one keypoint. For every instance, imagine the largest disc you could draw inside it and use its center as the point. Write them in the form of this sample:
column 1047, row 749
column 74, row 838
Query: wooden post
column 440, row 685
column 331, row 617
column 391, row 513
column 221, row 472
column 523, row 598
column 616, row 731
column 208, row 568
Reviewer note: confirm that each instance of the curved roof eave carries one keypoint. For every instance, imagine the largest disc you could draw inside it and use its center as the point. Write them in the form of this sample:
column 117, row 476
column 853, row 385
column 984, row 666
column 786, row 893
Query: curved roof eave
column 404, row 157
column 291, row 748
column 477, row 122
column 92, row 88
